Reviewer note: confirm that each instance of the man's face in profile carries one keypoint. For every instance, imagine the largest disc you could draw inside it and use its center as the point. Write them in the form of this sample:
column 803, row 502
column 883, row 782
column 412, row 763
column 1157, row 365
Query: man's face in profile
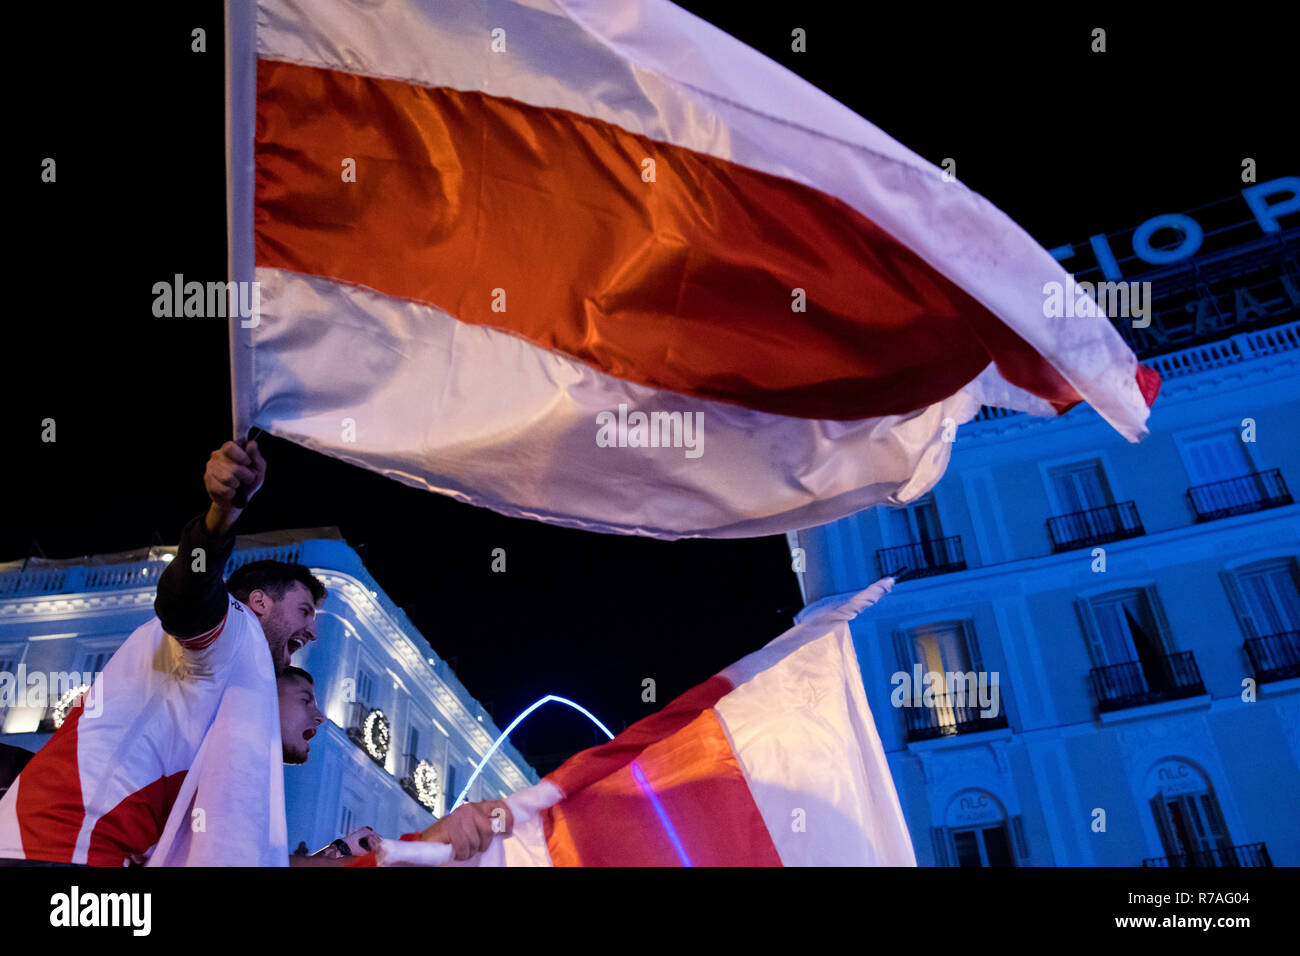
column 299, row 716
column 288, row 623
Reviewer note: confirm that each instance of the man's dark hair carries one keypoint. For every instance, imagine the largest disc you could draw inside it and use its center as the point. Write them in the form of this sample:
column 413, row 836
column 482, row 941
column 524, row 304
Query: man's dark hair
column 273, row 577
column 292, row 671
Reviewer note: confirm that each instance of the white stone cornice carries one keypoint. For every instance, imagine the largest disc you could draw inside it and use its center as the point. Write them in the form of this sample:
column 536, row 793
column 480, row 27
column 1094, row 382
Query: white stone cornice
column 84, row 604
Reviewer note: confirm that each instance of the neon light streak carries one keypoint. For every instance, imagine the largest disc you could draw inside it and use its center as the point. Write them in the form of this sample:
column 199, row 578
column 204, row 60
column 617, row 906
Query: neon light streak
column 653, row 797
column 515, row 723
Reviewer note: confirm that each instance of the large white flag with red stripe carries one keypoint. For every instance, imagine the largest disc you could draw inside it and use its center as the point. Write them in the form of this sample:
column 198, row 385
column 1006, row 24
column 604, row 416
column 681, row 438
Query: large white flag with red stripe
column 775, row 761
column 597, row 263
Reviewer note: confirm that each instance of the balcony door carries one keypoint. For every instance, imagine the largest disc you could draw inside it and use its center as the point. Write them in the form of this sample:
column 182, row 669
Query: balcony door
column 1192, row 827
column 1213, row 462
column 1084, row 497
column 1272, row 597
column 983, row 846
column 1081, row 487
column 941, row 649
column 1216, row 457
column 1127, row 633
column 918, row 525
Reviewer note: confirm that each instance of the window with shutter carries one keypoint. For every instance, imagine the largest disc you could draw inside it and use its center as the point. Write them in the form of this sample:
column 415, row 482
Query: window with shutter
column 1080, row 486
column 1215, row 457
column 1187, row 823
column 1018, row 831
column 972, row 647
column 1164, row 826
column 966, row 846
column 903, row 651
column 1160, row 622
column 914, row 523
column 1270, row 592
column 1091, row 633
column 412, row 749
column 997, row 848
column 1218, row 828
column 1115, row 634
column 939, row 837
column 453, row 785
column 943, row 649
column 983, row 846
column 365, row 688
column 1240, row 607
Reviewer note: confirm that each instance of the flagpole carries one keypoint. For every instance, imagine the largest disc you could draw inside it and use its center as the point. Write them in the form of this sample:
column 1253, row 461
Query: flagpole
column 241, row 72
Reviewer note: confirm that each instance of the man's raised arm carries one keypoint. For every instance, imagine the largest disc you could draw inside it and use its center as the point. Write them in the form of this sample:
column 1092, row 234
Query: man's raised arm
column 192, row 600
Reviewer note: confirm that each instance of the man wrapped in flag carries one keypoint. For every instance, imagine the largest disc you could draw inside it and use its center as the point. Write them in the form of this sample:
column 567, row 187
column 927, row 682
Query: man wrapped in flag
column 180, row 761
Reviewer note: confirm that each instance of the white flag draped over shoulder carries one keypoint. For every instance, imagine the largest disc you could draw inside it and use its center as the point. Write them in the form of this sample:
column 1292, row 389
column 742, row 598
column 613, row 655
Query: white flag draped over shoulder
column 173, row 753
column 773, row 762
column 597, row 263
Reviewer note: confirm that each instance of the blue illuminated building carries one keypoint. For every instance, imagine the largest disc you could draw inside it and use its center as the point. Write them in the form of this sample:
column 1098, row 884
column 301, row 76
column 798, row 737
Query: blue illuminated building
column 1130, row 611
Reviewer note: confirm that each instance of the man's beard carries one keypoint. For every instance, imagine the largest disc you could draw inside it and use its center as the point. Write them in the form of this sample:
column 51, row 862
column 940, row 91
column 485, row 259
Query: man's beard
column 294, row 757
column 279, row 645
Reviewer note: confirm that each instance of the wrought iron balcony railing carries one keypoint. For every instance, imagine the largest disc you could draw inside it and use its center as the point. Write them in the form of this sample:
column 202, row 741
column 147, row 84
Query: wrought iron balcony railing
column 356, row 715
column 951, row 714
column 1257, row 491
column 1275, row 656
column 409, row 763
column 1083, row 529
column 1248, row 854
column 1168, row 677
column 923, row 558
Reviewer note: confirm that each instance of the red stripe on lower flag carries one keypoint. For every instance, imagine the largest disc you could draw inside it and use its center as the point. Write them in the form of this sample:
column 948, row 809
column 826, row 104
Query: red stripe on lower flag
column 683, row 801
column 590, row 765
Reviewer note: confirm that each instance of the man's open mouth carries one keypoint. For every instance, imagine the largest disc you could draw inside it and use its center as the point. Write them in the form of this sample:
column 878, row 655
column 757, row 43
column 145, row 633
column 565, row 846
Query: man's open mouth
column 308, row 734
column 295, row 645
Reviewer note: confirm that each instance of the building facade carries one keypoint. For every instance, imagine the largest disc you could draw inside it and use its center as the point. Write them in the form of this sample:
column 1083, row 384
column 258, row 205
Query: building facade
column 1115, row 627
column 401, row 737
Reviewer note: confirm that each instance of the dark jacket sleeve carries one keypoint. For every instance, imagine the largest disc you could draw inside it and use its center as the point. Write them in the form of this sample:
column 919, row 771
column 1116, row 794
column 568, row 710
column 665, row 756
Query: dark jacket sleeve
column 189, row 602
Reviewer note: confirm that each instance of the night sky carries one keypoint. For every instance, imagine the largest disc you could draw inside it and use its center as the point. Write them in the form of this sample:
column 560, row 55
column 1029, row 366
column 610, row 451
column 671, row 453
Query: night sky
column 1067, row 142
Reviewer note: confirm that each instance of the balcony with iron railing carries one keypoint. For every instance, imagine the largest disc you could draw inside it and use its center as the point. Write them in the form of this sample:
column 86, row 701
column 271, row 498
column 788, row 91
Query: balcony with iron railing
column 951, row 714
column 1275, row 656
column 410, row 763
column 1084, row 529
column 1248, row 854
column 923, row 558
column 1132, row 684
column 1257, row 491
column 357, row 714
